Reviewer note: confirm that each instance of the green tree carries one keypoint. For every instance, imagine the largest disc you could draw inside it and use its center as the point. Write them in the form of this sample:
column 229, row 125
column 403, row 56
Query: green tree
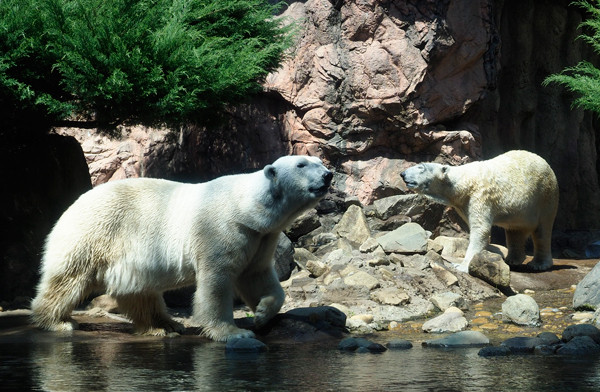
column 99, row 63
column 584, row 78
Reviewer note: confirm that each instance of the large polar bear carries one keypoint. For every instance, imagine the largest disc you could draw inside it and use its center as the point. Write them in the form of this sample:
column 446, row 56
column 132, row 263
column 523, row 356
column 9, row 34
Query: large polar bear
column 137, row 238
column 516, row 191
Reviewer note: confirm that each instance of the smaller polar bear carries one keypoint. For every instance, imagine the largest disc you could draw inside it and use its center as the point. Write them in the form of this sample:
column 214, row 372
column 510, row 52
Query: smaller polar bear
column 137, row 238
column 517, row 191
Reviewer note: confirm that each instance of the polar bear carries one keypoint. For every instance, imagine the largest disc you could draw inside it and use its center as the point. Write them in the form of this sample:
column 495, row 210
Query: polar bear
column 136, row 238
column 517, row 191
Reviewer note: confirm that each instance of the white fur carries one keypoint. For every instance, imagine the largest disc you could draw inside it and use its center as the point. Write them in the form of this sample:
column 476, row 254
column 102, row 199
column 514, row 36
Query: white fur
column 137, row 238
column 517, row 191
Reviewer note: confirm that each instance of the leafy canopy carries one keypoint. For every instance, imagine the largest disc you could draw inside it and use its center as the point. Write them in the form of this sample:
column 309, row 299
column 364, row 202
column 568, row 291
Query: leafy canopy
column 583, row 78
column 133, row 61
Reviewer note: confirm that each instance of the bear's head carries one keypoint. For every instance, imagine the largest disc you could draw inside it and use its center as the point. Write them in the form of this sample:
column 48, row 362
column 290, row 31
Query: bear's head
column 300, row 178
column 425, row 177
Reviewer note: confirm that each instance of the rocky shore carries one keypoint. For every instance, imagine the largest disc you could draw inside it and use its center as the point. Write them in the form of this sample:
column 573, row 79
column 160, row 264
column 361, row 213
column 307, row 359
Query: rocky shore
column 386, row 272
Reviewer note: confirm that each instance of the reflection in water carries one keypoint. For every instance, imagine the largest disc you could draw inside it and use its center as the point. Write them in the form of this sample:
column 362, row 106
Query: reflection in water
column 193, row 364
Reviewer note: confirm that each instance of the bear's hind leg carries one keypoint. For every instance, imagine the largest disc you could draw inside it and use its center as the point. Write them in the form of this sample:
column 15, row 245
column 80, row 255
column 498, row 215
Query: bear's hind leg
column 542, row 249
column 55, row 300
column 515, row 242
column 148, row 313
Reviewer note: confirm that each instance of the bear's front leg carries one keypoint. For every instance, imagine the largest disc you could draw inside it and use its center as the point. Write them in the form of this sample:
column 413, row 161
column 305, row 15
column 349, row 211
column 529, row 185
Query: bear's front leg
column 213, row 308
column 480, row 227
column 262, row 292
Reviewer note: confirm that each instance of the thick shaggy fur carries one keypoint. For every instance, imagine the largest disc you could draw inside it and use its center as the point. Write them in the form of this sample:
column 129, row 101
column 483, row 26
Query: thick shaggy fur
column 136, row 238
column 517, row 191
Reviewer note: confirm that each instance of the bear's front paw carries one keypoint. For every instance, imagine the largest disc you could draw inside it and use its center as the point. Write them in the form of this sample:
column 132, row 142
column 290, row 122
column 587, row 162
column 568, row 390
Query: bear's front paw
column 65, row 326
column 461, row 267
column 227, row 332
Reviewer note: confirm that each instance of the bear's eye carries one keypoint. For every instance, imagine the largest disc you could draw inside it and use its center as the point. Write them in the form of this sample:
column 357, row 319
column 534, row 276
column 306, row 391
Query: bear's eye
column 301, row 165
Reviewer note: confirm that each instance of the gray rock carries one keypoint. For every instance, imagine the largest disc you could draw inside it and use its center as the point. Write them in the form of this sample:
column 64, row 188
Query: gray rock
column 361, row 278
column 446, row 322
column 104, row 302
column 521, row 309
column 444, row 275
column 302, row 256
column 331, row 315
column 353, row 226
column 549, row 338
column 284, row 258
column 323, row 323
column 460, row 339
column 587, row 293
column 245, row 345
column 522, row 345
column 304, row 224
column 316, row 268
column 575, row 330
column 399, row 344
column 451, row 246
column 578, row 346
column 408, row 238
column 387, row 207
column 390, row 296
column 445, row 300
column 491, row 268
column 360, row 345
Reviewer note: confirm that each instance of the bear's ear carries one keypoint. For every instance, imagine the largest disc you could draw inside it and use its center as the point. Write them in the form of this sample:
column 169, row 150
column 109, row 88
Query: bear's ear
column 270, row 172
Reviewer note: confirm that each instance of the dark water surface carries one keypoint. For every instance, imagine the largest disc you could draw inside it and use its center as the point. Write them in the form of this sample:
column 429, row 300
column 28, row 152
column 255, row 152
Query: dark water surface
column 96, row 362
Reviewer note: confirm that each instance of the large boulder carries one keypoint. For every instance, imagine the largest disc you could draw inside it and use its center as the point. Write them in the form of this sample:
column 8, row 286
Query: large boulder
column 587, row 292
column 521, row 309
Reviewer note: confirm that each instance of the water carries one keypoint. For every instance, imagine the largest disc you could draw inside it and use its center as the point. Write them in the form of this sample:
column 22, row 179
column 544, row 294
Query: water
column 96, row 362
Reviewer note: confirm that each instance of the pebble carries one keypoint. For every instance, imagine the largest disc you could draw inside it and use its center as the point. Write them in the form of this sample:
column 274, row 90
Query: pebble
column 479, row 320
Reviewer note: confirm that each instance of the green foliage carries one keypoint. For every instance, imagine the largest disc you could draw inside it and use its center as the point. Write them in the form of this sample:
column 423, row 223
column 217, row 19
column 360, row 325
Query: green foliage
column 583, row 78
column 143, row 61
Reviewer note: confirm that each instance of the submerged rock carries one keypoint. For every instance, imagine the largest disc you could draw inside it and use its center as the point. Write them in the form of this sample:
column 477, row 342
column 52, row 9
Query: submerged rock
column 494, row 351
column 522, row 344
column 245, row 345
column 460, row 339
column 360, row 345
column 399, row 344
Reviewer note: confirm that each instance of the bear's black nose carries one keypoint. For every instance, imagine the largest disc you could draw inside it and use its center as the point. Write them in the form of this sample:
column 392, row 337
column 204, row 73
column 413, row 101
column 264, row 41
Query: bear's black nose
column 402, row 175
column 327, row 177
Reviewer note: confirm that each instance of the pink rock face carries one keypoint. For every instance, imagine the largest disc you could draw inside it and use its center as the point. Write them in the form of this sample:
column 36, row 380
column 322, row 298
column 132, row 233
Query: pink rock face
column 375, row 75
column 374, row 66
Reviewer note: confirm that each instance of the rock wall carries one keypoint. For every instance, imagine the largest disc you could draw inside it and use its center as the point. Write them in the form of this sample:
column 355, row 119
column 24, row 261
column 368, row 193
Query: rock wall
column 374, row 86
